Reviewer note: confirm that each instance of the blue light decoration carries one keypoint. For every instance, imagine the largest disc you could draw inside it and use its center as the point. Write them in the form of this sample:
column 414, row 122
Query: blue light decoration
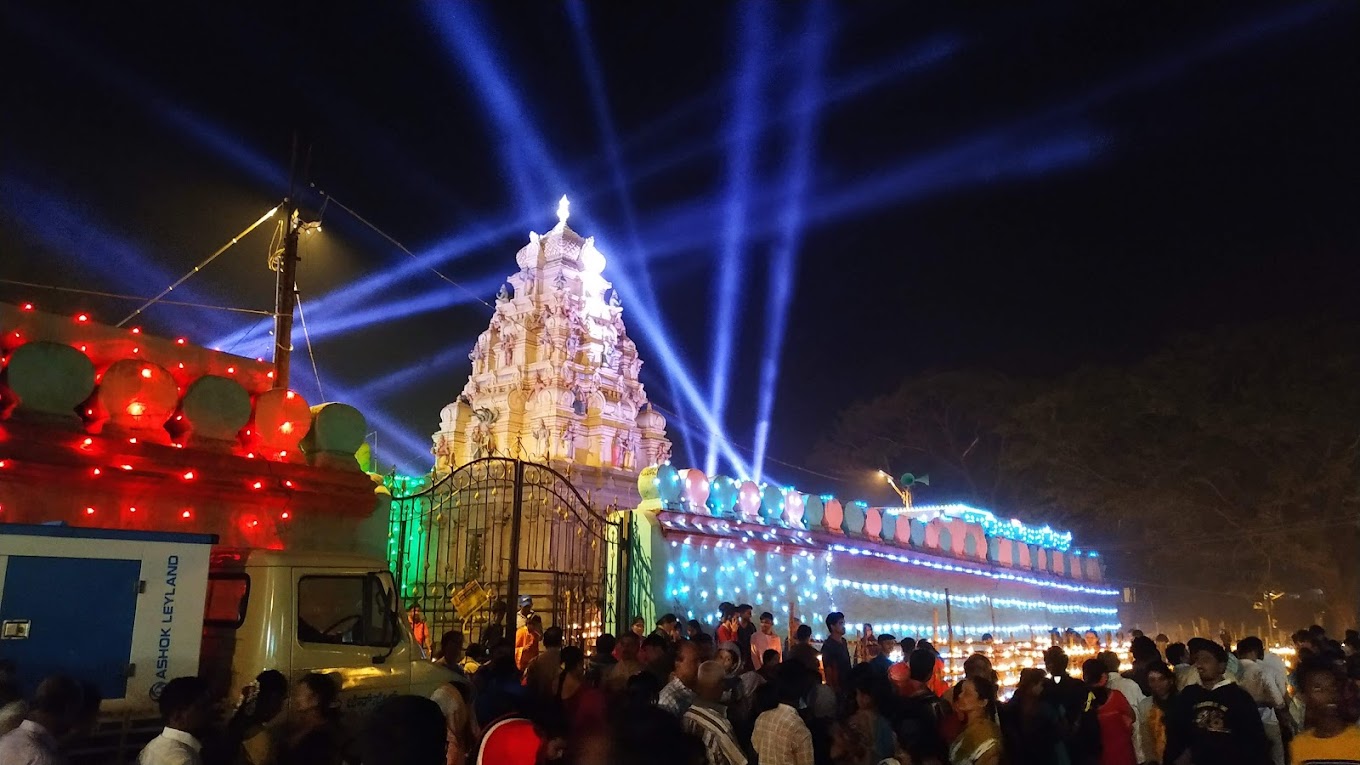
column 816, row 561
column 1043, row 536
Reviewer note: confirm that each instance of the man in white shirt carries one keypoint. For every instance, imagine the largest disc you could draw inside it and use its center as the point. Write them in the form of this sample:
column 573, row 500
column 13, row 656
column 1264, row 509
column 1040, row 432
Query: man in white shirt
column 764, row 640
column 56, row 711
column 1266, row 683
column 185, row 708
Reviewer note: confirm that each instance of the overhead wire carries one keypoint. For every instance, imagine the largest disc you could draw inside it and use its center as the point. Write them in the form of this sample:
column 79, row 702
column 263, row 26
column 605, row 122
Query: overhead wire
column 302, row 317
column 374, row 228
column 202, row 264
column 117, row 296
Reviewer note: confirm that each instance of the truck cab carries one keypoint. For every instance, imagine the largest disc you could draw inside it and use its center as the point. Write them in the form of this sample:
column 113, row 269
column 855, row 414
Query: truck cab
column 299, row 612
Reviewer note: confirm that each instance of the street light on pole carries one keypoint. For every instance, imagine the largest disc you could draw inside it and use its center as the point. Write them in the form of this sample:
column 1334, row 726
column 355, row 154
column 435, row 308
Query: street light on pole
column 908, row 481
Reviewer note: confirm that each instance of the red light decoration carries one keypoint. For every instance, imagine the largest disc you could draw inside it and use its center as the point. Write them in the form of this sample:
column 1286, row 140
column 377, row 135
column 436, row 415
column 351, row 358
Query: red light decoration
column 136, row 409
column 283, row 454
column 136, row 330
column 178, row 445
column 97, row 472
column 132, row 440
column 188, row 475
column 86, row 443
column 136, row 350
column 179, row 341
column 231, row 370
column 82, row 318
column 146, row 373
column 4, row 463
column 82, row 349
column 284, row 515
column 28, row 306
column 125, row 467
column 257, row 485
column 289, row 484
column 181, row 365
column 286, row 427
column 291, row 395
column 270, row 375
column 132, row 509
column 89, row 412
column 89, row 511
column 186, row 514
column 250, row 455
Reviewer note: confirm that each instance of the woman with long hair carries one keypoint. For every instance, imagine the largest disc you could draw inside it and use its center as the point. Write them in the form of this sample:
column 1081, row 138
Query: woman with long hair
column 1154, row 711
column 873, row 695
column 1031, row 726
column 980, row 741
column 315, row 737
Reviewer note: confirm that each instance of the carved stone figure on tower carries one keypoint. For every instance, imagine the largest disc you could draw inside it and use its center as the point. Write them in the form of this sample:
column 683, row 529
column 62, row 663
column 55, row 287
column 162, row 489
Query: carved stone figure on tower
column 569, row 434
column 503, row 296
column 541, row 440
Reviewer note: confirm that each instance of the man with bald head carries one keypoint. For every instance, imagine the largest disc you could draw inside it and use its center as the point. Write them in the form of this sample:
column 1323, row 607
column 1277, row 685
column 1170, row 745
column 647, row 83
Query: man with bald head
column 707, row 717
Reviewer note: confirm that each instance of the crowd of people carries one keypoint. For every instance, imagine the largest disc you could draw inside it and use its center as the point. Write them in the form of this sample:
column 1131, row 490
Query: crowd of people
column 678, row 694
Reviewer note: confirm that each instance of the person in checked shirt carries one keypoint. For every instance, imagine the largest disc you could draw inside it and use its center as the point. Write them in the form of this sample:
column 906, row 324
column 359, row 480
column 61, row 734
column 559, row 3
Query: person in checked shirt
column 781, row 737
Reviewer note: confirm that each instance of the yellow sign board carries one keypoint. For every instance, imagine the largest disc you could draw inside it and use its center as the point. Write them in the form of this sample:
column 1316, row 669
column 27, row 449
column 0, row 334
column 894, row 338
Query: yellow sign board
column 471, row 597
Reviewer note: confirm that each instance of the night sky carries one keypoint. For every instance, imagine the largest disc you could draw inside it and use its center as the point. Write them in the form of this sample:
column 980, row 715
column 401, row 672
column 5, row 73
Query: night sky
column 1026, row 189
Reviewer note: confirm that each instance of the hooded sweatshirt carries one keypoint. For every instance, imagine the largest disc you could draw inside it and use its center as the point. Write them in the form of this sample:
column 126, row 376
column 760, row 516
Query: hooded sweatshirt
column 1219, row 725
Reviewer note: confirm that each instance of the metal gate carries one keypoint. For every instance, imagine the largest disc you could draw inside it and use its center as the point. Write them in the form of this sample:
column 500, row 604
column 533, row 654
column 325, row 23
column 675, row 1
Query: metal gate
column 511, row 528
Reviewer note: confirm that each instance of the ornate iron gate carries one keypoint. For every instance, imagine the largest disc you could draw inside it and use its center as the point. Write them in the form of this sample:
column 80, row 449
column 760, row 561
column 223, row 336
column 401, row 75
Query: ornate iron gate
column 514, row 528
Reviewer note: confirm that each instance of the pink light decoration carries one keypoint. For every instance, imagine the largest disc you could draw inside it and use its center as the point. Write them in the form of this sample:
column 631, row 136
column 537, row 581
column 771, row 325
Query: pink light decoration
column 902, row 531
column 748, row 499
column 833, row 515
column 695, row 485
column 793, row 508
column 873, row 523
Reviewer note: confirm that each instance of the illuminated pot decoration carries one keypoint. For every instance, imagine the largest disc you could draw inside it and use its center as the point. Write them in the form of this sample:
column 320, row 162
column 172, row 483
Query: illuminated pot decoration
column 722, row 495
column 793, row 508
column 771, row 503
column 748, row 499
column 337, row 433
column 281, row 419
column 647, row 482
column 213, row 409
column 873, row 523
column 49, row 380
column 833, row 515
column 695, row 490
column 814, row 507
column 888, row 521
column 668, row 485
column 853, row 522
column 138, row 397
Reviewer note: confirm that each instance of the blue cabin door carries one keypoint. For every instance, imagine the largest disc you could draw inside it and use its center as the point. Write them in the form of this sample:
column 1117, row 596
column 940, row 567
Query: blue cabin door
column 71, row 616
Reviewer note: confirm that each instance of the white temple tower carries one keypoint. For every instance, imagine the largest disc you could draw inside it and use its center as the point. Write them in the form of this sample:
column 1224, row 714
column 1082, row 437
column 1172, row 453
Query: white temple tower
column 555, row 376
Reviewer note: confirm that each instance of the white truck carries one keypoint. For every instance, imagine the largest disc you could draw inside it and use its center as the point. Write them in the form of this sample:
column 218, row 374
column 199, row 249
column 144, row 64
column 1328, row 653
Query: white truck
column 130, row 610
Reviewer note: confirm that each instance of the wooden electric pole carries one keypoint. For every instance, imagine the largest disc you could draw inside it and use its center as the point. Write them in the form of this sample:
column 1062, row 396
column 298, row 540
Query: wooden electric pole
column 285, row 290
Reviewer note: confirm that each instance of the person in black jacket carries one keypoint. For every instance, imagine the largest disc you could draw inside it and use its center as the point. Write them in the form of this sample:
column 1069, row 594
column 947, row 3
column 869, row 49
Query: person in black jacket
column 1215, row 722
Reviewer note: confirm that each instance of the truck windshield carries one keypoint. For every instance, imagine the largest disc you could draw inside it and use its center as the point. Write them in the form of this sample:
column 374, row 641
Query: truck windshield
column 228, row 595
column 352, row 609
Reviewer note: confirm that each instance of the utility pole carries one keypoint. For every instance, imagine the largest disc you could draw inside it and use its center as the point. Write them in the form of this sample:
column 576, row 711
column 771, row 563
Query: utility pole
column 285, row 291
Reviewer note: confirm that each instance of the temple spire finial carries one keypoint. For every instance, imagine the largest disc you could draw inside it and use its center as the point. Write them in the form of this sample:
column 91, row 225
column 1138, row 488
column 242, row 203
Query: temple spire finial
column 563, row 209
